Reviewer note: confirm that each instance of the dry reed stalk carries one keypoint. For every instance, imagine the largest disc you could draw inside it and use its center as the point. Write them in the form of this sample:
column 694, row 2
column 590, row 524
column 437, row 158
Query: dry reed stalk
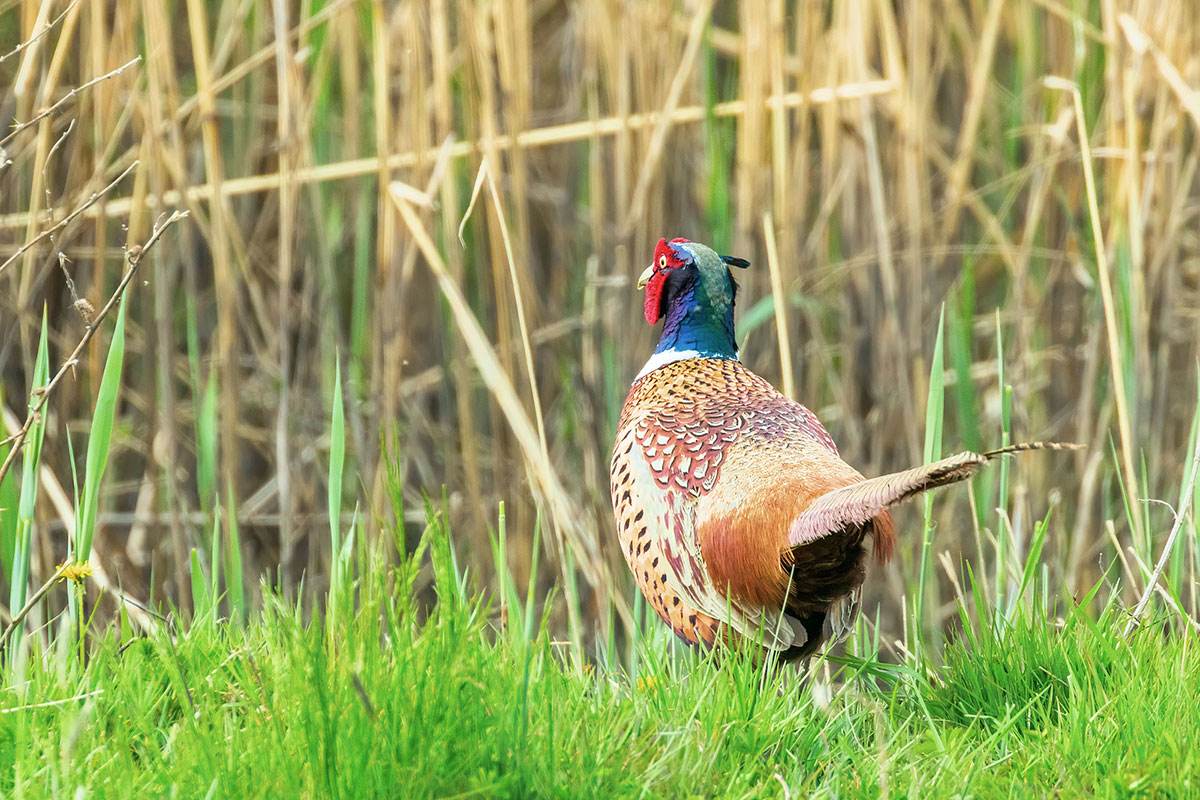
column 442, row 49
column 161, row 142
column 1106, row 295
column 483, row 48
column 1141, row 43
column 32, row 39
column 779, row 301
column 219, row 243
column 485, row 174
column 38, row 32
column 892, row 331
column 67, row 220
column 976, row 94
column 387, row 355
column 261, row 57
column 572, row 535
column 658, row 137
column 514, row 68
column 64, row 100
column 538, row 137
column 776, row 56
column 46, row 88
column 752, row 80
column 912, row 108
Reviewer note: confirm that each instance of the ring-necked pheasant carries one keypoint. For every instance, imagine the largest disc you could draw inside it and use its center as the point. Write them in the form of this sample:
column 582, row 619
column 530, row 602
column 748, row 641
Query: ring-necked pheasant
column 734, row 510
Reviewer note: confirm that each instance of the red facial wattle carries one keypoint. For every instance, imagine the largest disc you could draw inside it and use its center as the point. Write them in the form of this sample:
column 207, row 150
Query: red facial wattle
column 654, row 290
column 654, row 279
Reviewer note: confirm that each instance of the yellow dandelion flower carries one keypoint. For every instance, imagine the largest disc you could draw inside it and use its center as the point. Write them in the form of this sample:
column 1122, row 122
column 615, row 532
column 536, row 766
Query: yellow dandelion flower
column 648, row 684
column 77, row 572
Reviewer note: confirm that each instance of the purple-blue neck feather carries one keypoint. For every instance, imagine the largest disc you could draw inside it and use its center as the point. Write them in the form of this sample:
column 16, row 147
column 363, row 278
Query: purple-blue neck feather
column 699, row 314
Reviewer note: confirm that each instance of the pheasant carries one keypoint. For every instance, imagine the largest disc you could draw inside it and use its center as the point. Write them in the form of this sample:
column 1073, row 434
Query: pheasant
column 734, row 510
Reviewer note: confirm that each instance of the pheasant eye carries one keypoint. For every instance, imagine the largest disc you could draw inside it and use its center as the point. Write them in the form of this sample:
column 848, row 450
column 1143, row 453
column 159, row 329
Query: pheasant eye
column 662, row 262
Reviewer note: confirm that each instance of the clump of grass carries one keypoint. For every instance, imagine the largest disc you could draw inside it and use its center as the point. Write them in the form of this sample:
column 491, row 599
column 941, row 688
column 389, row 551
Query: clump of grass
column 389, row 691
column 903, row 164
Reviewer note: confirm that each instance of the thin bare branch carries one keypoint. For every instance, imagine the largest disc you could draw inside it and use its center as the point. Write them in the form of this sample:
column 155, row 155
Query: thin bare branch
column 46, row 29
column 48, row 110
column 134, row 256
column 65, row 221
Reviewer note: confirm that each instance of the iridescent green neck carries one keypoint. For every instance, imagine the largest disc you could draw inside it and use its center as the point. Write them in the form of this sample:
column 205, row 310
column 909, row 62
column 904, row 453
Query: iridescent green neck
column 698, row 322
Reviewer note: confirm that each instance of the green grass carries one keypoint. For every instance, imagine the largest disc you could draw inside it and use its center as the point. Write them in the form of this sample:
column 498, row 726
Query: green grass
column 17, row 534
column 437, row 701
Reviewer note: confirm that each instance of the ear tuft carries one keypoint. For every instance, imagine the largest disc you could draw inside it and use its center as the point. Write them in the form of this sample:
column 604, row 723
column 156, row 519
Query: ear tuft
column 734, row 261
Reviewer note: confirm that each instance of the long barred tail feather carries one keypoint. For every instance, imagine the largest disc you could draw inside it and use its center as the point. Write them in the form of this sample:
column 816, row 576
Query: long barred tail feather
column 860, row 502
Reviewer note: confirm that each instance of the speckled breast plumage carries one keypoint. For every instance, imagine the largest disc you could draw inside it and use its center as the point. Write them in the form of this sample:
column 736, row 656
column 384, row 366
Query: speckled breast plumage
column 710, row 464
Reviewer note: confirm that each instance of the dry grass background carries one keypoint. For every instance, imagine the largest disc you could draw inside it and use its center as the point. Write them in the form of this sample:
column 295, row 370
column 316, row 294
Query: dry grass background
column 876, row 161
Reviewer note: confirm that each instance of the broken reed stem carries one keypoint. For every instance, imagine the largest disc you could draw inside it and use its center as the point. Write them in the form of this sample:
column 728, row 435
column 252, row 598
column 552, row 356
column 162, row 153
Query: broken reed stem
column 1169, row 545
column 133, row 256
column 48, row 110
column 522, row 324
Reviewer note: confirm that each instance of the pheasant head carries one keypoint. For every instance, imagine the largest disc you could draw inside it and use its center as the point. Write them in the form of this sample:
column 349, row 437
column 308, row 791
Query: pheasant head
column 691, row 288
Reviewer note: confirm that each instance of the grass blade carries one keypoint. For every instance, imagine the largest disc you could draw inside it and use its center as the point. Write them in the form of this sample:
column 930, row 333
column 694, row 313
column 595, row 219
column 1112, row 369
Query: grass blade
column 19, row 570
column 100, row 439
column 934, row 414
column 233, row 568
column 337, row 460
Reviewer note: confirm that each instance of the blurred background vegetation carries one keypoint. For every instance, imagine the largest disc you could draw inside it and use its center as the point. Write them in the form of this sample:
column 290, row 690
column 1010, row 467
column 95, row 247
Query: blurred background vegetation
column 449, row 201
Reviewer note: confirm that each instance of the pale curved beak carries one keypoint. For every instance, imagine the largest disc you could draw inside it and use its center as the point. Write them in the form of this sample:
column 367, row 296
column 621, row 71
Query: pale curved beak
column 645, row 277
